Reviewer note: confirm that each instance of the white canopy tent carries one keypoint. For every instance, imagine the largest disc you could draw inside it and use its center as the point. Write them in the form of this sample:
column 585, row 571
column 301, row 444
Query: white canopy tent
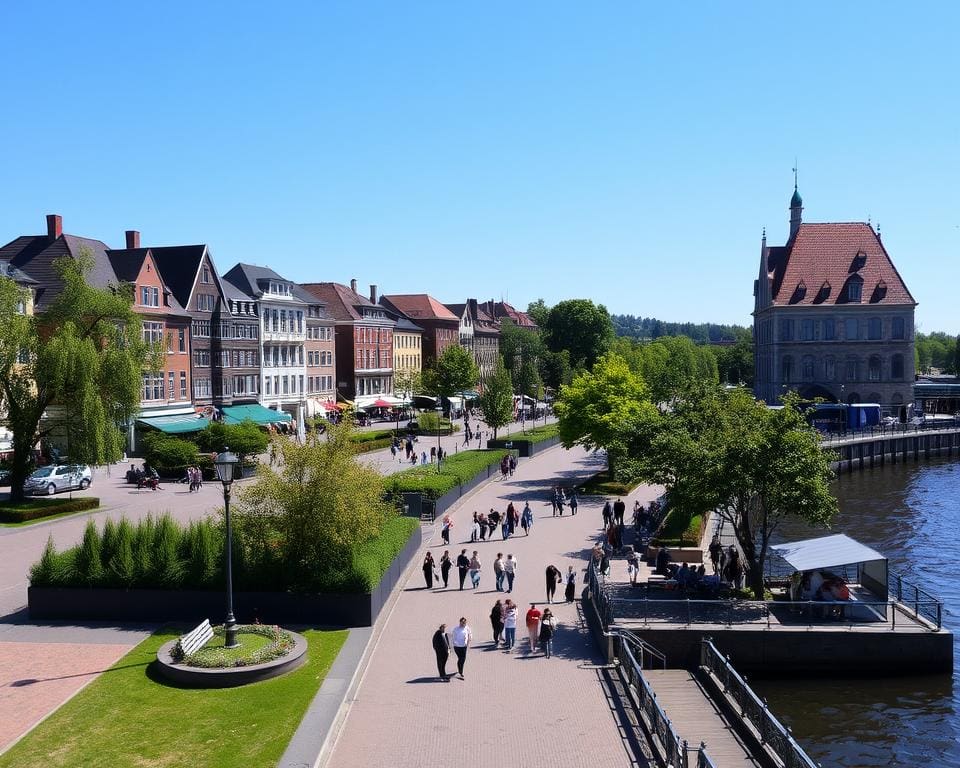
column 835, row 551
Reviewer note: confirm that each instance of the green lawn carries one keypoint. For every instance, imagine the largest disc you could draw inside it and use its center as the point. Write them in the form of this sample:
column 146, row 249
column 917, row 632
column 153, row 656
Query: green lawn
column 124, row 718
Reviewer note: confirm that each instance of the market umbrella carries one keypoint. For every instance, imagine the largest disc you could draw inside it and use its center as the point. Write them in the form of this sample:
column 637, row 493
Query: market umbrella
column 380, row 403
column 333, row 406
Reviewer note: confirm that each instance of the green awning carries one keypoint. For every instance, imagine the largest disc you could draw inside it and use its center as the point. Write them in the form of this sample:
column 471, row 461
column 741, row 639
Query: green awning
column 176, row 425
column 236, row 414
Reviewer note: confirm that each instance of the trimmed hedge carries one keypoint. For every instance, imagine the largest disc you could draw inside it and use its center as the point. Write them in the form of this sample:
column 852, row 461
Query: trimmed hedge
column 373, row 445
column 455, row 470
column 36, row 510
column 375, row 434
column 372, row 559
column 535, row 435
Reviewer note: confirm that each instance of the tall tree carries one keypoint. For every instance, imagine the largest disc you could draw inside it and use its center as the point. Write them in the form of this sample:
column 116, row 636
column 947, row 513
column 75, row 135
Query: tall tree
column 539, row 312
column 580, row 327
column 556, row 369
column 76, row 366
column 496, row 400
column 528, row 381
column 754, row 466
column 407, row 382
column 454, row 371
column 518, row 345
column 602, row 407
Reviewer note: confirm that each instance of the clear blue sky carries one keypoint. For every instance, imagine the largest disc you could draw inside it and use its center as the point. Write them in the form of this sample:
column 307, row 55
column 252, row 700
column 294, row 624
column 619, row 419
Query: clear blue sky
column 617, row 151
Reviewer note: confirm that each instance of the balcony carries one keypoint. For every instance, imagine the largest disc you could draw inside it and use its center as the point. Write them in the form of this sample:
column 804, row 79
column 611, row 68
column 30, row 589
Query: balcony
column 290, row 337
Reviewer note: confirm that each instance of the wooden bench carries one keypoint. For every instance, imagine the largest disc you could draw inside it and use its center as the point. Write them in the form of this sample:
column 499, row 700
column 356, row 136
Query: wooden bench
column 195, row 639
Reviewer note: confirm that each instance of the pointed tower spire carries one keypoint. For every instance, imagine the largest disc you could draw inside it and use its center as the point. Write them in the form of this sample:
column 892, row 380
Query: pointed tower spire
column 796, row 206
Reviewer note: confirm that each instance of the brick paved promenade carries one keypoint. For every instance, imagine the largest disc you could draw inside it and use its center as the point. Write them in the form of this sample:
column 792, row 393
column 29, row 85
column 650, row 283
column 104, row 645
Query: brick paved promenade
column 512, row 709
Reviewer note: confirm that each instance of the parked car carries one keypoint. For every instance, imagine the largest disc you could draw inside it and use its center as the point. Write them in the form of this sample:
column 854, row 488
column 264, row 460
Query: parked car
column 4, row 477
column 59, row 477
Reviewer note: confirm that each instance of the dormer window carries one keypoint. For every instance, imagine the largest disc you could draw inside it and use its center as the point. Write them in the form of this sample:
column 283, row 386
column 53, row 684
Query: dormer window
column 854, row 291
column 858, row 261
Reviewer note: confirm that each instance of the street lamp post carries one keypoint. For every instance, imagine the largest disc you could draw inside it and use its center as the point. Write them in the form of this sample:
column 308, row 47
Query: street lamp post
column 439, row 410
column 225, row 464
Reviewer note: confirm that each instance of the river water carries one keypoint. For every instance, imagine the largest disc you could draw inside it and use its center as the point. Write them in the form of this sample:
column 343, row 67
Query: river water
column 911, row 514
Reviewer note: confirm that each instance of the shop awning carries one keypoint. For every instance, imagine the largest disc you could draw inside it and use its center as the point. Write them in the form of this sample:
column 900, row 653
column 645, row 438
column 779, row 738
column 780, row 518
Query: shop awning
column 826, row 552
column 176, row 425
column 379, row 403
column 237, row 414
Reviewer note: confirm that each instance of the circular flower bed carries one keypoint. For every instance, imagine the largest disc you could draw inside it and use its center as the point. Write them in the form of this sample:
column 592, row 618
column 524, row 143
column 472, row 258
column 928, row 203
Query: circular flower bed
column 259, row 644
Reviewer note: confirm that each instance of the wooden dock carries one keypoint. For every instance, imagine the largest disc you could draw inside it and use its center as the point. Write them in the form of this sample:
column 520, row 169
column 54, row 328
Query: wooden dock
column 696, row 717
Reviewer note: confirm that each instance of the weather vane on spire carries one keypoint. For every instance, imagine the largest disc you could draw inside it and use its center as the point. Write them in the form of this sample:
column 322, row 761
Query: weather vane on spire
column 795, row 165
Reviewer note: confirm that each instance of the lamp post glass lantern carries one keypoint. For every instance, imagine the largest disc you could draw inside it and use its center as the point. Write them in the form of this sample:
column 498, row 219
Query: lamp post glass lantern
column 226, row 463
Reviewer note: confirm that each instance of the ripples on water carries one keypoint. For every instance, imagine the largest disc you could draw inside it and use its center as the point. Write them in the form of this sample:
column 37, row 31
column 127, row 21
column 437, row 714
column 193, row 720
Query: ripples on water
column 910, row 513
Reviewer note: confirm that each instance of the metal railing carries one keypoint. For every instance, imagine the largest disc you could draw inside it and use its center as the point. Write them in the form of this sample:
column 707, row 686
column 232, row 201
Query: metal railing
column 894, row 430
column 869, row 615
column 753, row 711
column 650, row 657
column 598, row 595
column 910, row 595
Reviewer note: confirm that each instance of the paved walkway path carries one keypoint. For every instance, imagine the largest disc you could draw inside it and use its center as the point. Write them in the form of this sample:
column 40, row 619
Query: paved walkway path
column 513, row 708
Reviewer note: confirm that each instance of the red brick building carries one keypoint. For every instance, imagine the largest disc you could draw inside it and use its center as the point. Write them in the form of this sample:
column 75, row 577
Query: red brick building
column 441, row 327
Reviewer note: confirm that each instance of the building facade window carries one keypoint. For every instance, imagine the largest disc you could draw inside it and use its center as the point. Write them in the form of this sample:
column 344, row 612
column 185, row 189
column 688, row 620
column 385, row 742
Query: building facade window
column 875, row 328
column 171, row 384
column 873, row 368
column 829, row 369
column 851, row 369
column 786, row 330
column 807, row 366
column 806, row 331
column 851, row 329
column 897, row 328
column 786, row 369
column 153, row 333
column 896, row 367
column 183, row 385
column 854, row 291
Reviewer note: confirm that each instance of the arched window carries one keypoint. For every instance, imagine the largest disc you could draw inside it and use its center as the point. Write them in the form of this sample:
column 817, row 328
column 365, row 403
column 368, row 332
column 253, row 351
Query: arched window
column 829, row 369
column 873, row 368
column 807, row 366
column 896, row 367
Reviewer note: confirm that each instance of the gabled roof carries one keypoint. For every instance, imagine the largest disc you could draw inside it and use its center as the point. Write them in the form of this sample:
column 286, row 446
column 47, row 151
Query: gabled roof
column 341, row 302
column 36, row 254
column 178, row 265
column 127, row 263
column 822, row 259
column 499, row 310
column 420, row 306
column 253, row 280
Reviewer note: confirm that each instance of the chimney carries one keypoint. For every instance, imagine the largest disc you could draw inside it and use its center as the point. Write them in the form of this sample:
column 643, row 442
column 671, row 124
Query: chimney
column 353, row 285
column 133, row 238
column 373, row 294
column 54, row 226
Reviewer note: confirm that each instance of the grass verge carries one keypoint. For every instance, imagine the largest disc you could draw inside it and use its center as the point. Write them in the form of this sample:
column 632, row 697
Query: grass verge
column 126, row 719
column 534, row 434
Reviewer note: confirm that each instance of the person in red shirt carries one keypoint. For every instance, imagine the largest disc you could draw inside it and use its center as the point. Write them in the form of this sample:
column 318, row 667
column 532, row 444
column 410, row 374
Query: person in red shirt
column 533, row 626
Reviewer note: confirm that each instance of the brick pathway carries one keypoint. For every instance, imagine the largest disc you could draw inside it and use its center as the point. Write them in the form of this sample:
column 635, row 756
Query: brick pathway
column 512, row 709
column 36, row 678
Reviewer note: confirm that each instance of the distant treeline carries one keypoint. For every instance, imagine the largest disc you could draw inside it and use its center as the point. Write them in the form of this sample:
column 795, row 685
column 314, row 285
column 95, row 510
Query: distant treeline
column 701, row 333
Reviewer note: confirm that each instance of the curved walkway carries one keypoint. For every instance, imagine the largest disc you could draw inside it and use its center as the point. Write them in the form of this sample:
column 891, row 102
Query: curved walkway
column 512, row 708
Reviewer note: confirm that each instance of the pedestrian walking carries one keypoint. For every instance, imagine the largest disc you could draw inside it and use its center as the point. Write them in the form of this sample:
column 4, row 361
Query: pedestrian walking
column 559, row 495
column 423, row 457
column 526, row 518
column 463, row 565
column 574, row 501
column 475, row 529
column 554, row 577
column 569, row 592
column 445, row 527
column 513, row 464
column 510, row 623
column 483, row 526
column 441, row 646
column 428, row 566
column 445, row 564
column 496, row 621
column 533, row 626
column 607, row 514
column 462, row 635
column 512, row 518
column 716, row 549
column 548, row 626
column 619, row 509
column 510, row 570
column 633, row 565
column 475, row 570
column 498, row 571
column 505, row 528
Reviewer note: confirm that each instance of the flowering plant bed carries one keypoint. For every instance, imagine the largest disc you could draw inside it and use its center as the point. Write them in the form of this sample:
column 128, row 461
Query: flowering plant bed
column 259, row 644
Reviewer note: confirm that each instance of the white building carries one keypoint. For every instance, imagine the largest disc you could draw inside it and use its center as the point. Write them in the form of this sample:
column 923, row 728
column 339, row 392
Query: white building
column 283, row 334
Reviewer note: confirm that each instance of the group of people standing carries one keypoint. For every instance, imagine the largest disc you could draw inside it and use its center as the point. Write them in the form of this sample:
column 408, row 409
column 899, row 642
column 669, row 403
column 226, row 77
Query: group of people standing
column 560, row 497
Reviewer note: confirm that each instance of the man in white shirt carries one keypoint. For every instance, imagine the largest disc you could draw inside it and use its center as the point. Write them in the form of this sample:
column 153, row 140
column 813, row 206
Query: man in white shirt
column 462, row 635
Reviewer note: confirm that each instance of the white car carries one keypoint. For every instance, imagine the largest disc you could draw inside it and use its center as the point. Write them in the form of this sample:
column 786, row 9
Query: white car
column 59, row 477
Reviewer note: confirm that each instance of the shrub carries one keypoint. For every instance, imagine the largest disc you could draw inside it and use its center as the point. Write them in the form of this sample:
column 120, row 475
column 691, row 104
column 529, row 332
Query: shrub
column 170, row 456
column 89, row 566
column 455, row 470
column 244, row 439
column 429, row 424
column 38, row 509
column 373, row 435
column 121, row 568
column 167, row 567
column 203, row 554
column 42, row 571
column 108, row 545
column 143, row 571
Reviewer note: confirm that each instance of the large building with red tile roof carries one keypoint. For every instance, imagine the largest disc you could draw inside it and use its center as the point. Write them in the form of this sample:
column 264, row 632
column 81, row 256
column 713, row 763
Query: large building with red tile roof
column 832, row 317
column 441, row 328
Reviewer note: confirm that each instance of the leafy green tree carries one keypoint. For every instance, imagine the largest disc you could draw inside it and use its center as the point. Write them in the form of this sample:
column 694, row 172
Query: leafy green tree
column 77, row 365
column 314, row 512
column 580, row 327
column 243, row 439
column 600, row 408
column 454, row 371
column 496, row 400
column 556, row 369
column 529, row 382
column 407, row 382
column 169, row 455
column 539, row 312
column 752, row 465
